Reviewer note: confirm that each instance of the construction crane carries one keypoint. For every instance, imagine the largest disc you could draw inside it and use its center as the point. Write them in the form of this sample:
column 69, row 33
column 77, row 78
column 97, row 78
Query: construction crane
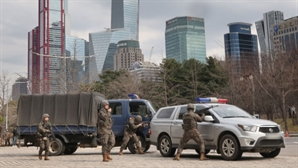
column 150, row 54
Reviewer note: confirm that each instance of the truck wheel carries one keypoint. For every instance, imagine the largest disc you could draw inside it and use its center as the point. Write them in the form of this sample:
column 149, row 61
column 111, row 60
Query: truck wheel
column 229, row 148
column 70, row 149
column 271, row 154
column 56, row 147
column 206, row 151
column 133, row 147
column 165, row 145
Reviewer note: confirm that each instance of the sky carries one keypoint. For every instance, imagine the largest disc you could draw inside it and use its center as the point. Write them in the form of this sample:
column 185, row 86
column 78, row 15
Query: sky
column 18, row 17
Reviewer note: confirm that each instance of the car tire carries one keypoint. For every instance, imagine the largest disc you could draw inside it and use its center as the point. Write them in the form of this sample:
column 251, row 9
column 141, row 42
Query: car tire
column 230, row 148
column 165, row 146
column 132, row 147
column 206, row 151
column 271, row 154
column 56, row 147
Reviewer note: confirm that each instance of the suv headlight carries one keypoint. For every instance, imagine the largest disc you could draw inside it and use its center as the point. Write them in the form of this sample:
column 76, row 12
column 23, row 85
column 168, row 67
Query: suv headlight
column 280, row 128
column 251, row 128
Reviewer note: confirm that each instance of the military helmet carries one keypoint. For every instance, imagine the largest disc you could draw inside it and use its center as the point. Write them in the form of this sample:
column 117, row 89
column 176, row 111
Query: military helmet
column 138, row 119
column 190, row 106
column 45, row 115
column 104, row 102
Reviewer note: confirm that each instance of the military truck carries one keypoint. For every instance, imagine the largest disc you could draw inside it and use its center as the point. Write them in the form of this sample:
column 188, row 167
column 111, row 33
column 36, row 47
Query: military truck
column 74, row 120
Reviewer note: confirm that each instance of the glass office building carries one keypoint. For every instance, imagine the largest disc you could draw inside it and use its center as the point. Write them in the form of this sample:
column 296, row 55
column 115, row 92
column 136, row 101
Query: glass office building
column 265, row 30
column 103, row 46
column 125, row 14
column 75, row 50
column 185, row 39
column 241, row 47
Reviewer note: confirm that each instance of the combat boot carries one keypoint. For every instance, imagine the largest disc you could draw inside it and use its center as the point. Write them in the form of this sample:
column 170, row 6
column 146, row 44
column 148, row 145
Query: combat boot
column 121, row 152
column 39, row 155
column 177, row 157
column 203, row 157
column 46, row 157
column 140, row 151
column 104, row 156
column 109, row 157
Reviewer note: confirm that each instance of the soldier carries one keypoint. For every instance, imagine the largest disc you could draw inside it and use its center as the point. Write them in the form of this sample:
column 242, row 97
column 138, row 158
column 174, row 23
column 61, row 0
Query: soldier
column 191, row 131
column 107, row 138
column 130, row 133
column 44, row 128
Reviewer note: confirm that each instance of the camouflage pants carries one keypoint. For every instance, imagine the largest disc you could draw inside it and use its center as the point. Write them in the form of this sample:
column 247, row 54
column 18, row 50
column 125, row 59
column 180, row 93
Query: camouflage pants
column 44, row 145
column 191, row 134
column 127, row 137
column 107, row 142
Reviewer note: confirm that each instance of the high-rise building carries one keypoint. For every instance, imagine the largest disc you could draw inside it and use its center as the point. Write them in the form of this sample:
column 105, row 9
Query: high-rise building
column 75, row 65
column 285, row 35
column 19, row 87
column 185, row 39
column 103, row 45
column 125, row 14
column 51, row 41
column 128, row 52
column 34, row 61
column 265, row 30
column 241, row 47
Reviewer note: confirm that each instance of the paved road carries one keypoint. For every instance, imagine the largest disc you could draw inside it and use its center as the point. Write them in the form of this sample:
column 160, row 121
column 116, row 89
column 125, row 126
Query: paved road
column 13, row 157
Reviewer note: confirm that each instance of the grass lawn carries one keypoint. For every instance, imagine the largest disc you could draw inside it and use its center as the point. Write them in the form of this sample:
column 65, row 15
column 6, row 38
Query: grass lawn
column 291, row 127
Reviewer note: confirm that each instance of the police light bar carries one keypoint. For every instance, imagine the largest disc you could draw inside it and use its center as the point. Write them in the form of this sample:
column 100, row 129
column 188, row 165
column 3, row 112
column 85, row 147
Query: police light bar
column 211, row 100
column 133, row 96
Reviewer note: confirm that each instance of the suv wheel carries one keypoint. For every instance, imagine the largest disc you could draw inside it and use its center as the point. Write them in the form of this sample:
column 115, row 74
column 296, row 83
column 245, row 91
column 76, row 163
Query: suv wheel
column 229, row 148
column 165, row 145
column 133, row 147
column 271, row 154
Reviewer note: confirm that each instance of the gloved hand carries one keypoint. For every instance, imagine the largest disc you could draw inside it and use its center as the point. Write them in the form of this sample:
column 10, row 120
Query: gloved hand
column 45, row 138
column 47, row 131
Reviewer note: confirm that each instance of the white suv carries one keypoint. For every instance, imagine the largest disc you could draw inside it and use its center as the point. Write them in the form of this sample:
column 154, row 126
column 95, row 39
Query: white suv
column 226, row 128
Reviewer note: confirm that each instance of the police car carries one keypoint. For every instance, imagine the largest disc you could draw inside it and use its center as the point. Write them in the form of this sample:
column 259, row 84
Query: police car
column 226, row 128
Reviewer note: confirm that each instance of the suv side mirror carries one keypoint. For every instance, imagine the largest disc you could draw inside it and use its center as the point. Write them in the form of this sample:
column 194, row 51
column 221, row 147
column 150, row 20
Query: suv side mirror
column 208, row 118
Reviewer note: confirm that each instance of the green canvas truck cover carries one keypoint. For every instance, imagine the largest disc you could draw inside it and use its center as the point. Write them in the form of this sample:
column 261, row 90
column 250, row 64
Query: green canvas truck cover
column 64, row 109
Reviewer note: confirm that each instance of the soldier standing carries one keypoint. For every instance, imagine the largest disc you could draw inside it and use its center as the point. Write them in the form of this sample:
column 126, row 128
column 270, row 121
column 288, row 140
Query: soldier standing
column 44, row 128
column 191, row 131
column 105, row 122
column 130, row 133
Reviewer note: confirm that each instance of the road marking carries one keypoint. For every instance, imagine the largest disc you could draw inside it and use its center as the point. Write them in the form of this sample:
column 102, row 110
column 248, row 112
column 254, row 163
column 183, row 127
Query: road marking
column 295, row 142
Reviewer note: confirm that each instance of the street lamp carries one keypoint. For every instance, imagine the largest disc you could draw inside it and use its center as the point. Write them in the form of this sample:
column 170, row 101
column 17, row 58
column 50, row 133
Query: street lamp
column 253, row 90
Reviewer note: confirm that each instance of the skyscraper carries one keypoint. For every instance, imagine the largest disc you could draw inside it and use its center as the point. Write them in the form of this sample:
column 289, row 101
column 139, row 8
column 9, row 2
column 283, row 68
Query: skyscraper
column 185, row 39
column 125, row 14
column 124, row 26
column 265, row 30
column 51, row 40
column 34, row 60
column 103, row 46
column 75, row 65
column 241, row 47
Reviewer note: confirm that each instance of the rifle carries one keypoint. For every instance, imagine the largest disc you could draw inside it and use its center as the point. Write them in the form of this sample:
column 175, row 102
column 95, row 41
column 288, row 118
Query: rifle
column 202, row 111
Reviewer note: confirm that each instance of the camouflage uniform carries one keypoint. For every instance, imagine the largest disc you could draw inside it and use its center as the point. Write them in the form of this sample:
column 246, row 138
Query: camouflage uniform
column 43, row 130
column 191, row 131
column 107, row 138
column 130, row 133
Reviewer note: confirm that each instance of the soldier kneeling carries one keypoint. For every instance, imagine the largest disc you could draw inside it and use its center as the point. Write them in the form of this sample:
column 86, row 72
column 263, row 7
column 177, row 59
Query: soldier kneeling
column 130, row 132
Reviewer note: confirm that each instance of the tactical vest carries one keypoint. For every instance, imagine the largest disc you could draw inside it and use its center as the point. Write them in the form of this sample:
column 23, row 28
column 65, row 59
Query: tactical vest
column 129, row 127
column 189, row 122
